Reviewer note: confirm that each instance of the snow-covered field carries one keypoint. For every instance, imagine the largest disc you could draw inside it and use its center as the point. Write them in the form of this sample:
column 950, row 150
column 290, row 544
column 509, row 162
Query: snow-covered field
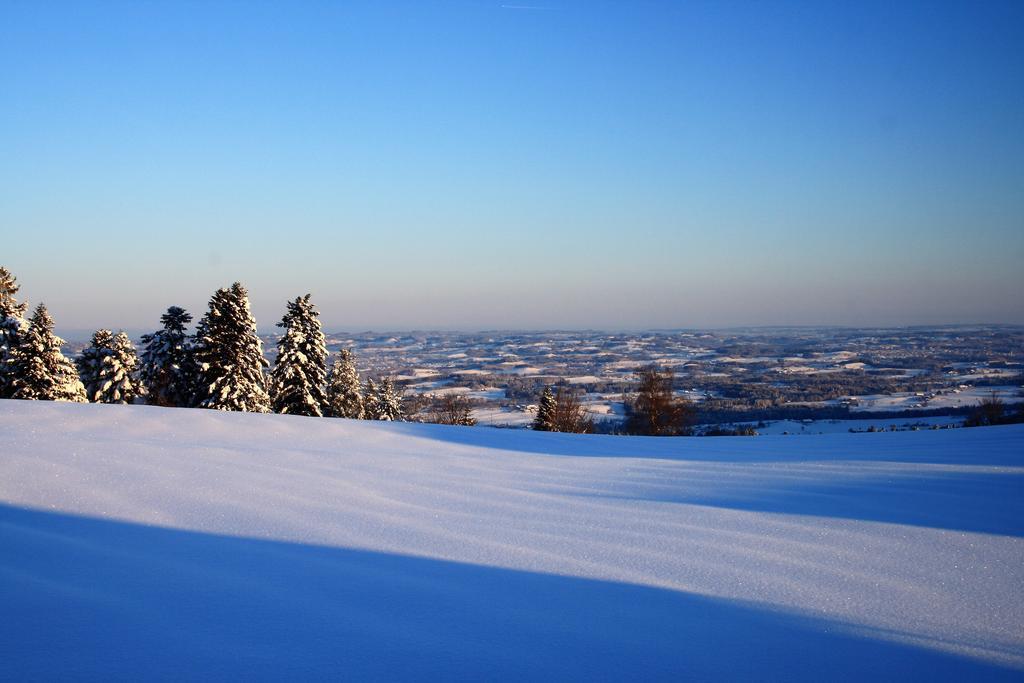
column 503, row 417
column 147, row 543
column 838, row 426
column 958, row 398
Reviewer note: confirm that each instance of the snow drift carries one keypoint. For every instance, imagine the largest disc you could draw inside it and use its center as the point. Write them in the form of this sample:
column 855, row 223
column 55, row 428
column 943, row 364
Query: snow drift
column 150, row 543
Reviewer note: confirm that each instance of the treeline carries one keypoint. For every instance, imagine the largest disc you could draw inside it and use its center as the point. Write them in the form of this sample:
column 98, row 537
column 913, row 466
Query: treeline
column 221, row 366
column 652, row 410
column 727, row 412
column 808, row 388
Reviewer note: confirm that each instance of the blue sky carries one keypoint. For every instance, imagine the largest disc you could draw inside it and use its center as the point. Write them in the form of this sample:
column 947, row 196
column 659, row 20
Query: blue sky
column 534, row 164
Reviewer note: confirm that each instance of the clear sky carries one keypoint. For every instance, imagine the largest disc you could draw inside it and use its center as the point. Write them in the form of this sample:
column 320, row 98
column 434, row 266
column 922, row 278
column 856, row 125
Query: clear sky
column 527, row 164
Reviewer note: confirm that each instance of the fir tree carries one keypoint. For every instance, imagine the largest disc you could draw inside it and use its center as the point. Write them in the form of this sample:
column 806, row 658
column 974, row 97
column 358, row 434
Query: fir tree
column 371, row 401
column 389, row 401
column 90, row 362
column 125, row 379
column 545, row 420
column 13, row 327
column 108, row 367
column 168, row 367
column 229, row 355
column 300, row 370
column 344, row 398
column 382, row 401
column 40, row 372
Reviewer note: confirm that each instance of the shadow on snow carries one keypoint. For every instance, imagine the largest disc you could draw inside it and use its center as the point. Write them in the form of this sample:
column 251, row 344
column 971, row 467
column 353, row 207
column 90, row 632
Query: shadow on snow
column 86, row 598
column 991, row 503
column 872, row 477
column 981, row 446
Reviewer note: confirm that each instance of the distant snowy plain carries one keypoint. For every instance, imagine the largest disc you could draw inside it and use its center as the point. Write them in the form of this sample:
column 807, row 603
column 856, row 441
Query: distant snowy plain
column 141, row 543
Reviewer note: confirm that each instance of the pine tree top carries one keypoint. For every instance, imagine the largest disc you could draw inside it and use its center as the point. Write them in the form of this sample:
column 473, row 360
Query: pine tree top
column 41, row 322
column 122, row 343
column 102, row 338
column 176, row 319
column 9, row 306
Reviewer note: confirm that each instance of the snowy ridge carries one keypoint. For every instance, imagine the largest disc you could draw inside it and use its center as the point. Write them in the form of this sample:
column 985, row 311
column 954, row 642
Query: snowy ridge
column 208, row 543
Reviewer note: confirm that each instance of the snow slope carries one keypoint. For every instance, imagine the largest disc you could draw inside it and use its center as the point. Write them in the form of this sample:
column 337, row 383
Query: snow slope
column 149, row 543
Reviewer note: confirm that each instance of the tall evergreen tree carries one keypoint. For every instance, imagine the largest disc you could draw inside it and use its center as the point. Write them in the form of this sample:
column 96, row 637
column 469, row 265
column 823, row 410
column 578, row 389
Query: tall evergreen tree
column 371, row 401
column 344, row 397
column 90, row 362
column 300, row 370
column 13, row 327
column 229, row 355
column 389, row 401
column 382, row 401
column 108, row 368
column 40, row 372
column 125, row 377
column 168, row 366
column 545, row 420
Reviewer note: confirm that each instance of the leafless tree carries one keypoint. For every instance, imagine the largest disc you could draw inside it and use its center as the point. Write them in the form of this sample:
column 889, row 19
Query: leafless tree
column 570, row 415
column 989, row 411
column 453, row 409
column 655, row 410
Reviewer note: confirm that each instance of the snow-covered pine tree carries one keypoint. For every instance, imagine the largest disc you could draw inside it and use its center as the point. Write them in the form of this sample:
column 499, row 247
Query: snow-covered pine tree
column 126, row 385
column 344, row 398
column 389, row 401
column 90, row 362
column 300, row 370
column 371, row 401
column 108, row 369
column 8, row 288
column 13, row 327
column 168, row 367
column 40, row 372
column 229, row 355
column 545, row 420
